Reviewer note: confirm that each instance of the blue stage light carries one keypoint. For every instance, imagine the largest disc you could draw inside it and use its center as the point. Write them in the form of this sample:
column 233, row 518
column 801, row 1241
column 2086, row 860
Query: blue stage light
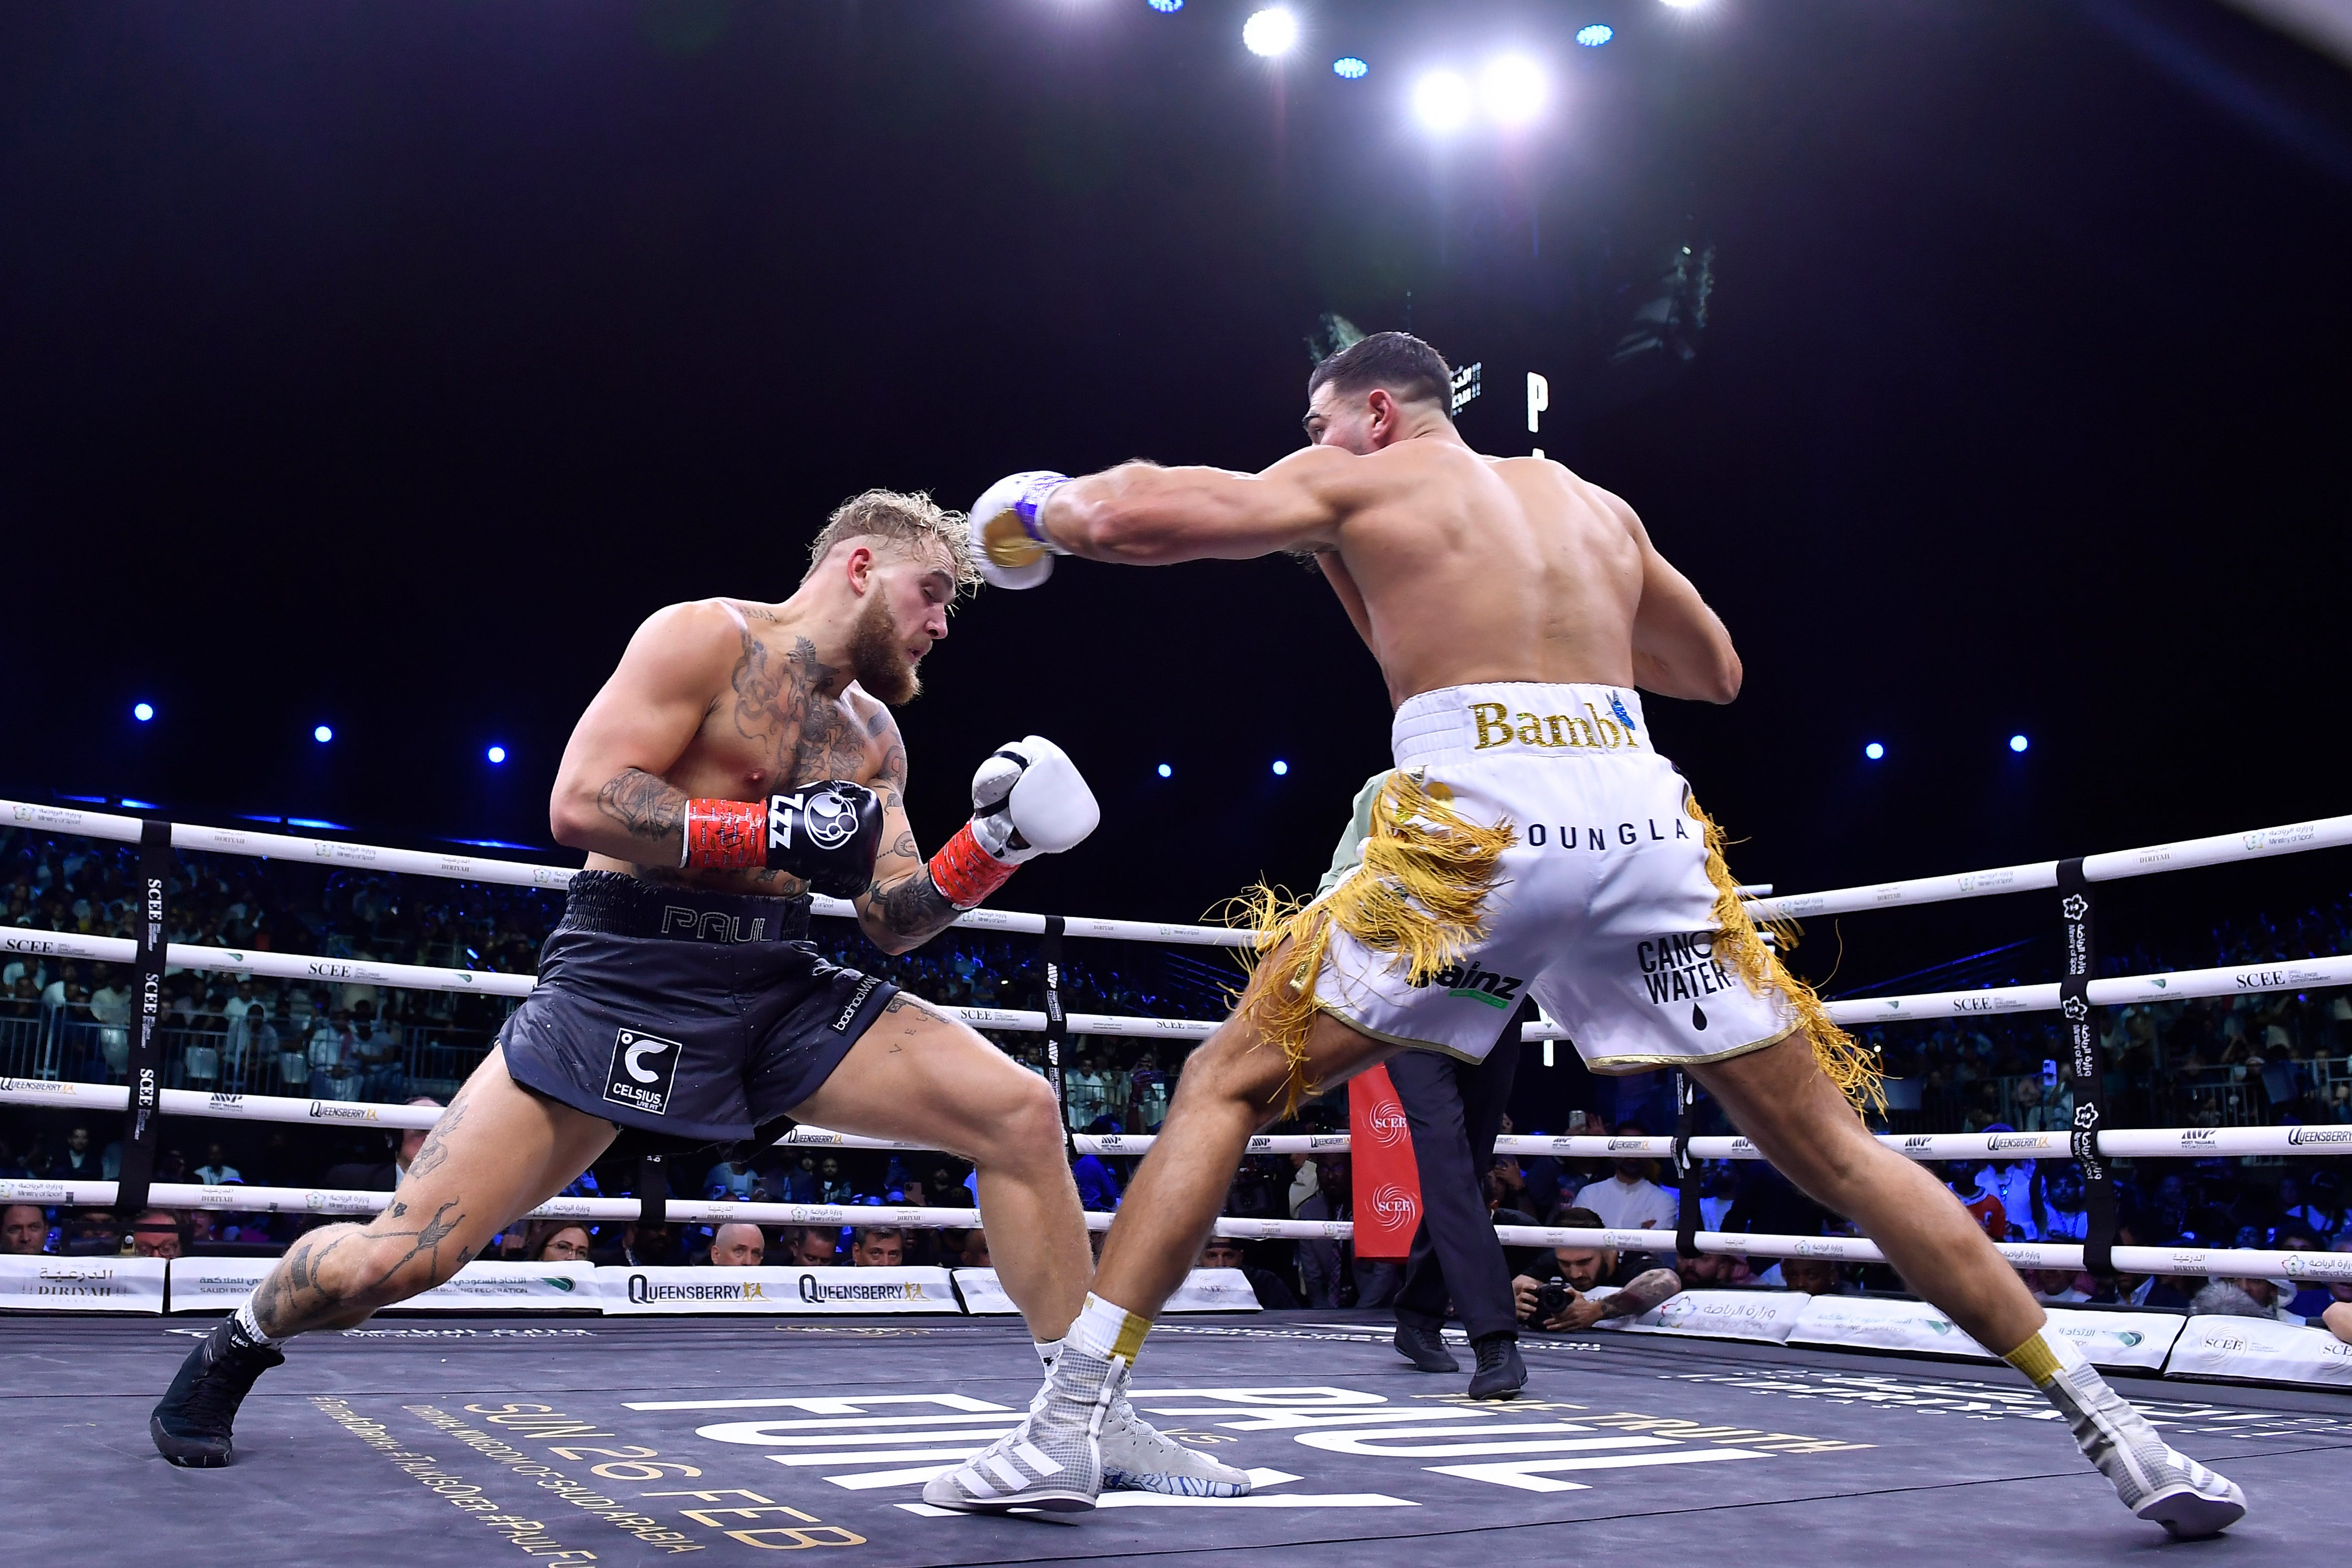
column 1280, row 768
column 497, row 754
column 142, row 712
column 1348, row 67
column 322, row 735
column 130, row 805
column 1595, row 34
column 1166, row 7
column 2017, row 743
column 1873, row 752
column 1166, row 771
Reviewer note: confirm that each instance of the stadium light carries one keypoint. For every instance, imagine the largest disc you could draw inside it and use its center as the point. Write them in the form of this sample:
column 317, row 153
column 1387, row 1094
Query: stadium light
column 1280, row 768
column 1270, row 32
column 1682, row 5
column 1166, row 7
column 1348, row 67
column 1165, row 770
column 142, row 712
column 322, row 735
column 1593, row 35
column 497, row 754
column 1873, row 752
column 2017, row 743
column 1441, row 101
column 1513, row 90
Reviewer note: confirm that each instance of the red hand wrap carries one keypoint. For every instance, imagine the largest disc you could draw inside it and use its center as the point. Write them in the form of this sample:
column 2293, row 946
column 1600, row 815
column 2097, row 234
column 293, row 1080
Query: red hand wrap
column 965, row 872
column 726, row 835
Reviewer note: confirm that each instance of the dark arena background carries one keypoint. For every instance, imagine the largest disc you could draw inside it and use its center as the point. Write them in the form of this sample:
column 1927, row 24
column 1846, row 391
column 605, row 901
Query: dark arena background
column 370, row 372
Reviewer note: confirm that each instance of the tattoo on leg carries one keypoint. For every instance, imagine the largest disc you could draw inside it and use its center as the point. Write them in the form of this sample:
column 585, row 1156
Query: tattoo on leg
column 436, row 1146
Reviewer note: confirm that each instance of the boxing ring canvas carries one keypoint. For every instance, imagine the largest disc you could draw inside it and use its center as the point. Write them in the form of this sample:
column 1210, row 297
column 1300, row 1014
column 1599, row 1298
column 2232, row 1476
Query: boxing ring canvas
column 722, row 1441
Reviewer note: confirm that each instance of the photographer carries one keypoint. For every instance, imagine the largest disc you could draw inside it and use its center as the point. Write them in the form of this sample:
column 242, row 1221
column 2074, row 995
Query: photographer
column 1560, row 1304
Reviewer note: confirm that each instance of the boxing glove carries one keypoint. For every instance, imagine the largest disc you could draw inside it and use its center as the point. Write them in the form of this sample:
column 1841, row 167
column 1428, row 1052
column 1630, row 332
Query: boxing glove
column 826, row 833
column 1028, row 798
column 1012, row 548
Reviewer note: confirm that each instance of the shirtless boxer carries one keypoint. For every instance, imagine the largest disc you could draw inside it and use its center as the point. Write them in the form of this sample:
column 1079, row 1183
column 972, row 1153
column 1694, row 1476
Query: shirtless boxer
column 742, row 755
column 1532, row 831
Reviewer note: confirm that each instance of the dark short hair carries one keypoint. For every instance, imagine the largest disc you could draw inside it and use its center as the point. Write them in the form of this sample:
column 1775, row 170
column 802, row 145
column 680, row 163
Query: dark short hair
column 880, row 1233
column 1577, row 1219
column 1398, row 362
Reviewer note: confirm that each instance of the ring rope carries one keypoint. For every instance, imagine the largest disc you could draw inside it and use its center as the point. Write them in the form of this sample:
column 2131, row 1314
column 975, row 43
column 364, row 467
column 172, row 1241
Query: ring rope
column 2220, row 849
column 2138, row 1142
column 2168, row 1260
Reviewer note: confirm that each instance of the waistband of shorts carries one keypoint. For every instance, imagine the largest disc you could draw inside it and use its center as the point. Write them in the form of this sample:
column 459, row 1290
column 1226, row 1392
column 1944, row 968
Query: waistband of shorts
column 1502, row 718
column 621, row 905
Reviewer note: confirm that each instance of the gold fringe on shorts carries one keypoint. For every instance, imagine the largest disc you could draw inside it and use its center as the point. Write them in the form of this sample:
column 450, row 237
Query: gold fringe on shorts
column 1853, row 1069
column 1419, row 896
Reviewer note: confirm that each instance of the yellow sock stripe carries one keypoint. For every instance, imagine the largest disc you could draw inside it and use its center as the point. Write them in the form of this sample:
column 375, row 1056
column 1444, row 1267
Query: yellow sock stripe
column 1419, row 896
column 2036, row 1359
column 1853, row 1069
column 1130, row 1344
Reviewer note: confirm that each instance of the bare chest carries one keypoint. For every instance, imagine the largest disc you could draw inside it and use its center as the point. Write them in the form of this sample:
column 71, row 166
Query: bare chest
column 784, row 719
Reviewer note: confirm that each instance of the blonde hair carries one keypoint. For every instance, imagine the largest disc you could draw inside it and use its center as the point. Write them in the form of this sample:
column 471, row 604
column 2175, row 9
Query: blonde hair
column 908, row 518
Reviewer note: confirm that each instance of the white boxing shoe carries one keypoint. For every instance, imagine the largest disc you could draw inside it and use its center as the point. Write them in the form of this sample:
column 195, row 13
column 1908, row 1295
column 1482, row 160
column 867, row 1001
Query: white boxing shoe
column 1139, row 1457
column 2155, row 1481
column 1053, row 1460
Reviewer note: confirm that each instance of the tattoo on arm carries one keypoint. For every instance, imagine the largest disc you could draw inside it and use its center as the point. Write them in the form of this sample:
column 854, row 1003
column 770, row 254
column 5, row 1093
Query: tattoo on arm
column 1646, row 1290
column 648, row 807
column 911, row 907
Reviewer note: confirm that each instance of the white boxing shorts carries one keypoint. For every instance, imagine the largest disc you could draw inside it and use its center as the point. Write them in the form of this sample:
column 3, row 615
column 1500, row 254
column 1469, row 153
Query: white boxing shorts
column 1603, row 909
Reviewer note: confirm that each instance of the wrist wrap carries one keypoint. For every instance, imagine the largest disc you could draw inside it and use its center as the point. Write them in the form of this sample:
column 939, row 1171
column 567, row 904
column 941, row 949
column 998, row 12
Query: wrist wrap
column 725, row 835
column 966, row 874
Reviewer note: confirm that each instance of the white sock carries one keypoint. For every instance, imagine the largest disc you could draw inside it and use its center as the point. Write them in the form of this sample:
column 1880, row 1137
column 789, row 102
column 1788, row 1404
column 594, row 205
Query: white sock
column 251, row 1327
column 1108, row 1331
column 1047, row 1349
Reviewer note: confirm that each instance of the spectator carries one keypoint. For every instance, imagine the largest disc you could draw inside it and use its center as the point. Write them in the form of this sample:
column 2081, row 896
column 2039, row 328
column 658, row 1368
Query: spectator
column 974, row 1254
column 333, row 1056
column 879, row 1247
column 24, row 1230
column 1812, row 1276
column 1224, row 1253
column 814, row 1246
column 216, row 1171
column 81, row 1163
column 156, row 1233
column 1099, row 1188
column 250, row 1037
column 2053, row 1287
column 557, row 1241
column 2227, row 1298
column 831, row 1187
column 1629, row 1199
column 110, row 1009
column 801, row 1181
column 1577, row 1270
column 737, row 1246
column 649, row 1245
column 731, row 1177
column 1716, row 1271
column 403, row 1146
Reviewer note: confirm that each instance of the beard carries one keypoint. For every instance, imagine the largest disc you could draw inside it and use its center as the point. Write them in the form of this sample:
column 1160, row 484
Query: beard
column 877, row 656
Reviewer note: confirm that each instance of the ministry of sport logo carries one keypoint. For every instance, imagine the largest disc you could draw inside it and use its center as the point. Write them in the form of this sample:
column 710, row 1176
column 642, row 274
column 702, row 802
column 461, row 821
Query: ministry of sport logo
column 643, row 1071
column 1473, row 982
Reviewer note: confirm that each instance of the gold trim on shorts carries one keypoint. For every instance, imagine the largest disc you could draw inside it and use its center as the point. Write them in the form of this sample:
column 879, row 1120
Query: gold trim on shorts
column 1622, row 1066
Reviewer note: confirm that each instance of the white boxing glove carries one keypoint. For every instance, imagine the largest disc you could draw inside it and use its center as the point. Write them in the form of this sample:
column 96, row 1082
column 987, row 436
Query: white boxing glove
column 1013, row 549
column 1027, row 800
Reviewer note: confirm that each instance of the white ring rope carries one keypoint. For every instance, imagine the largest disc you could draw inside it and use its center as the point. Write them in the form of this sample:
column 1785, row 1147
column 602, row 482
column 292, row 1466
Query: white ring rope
column 2145, row 1143
column 2239, row 979
column 2222, row 849
column 2168, row 1260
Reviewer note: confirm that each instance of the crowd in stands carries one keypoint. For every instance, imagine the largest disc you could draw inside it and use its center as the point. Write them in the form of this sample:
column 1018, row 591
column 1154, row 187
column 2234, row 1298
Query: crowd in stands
column 2254, row 1058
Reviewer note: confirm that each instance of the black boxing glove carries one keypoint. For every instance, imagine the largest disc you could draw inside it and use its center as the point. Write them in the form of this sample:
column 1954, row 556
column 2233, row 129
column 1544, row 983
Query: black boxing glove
column 826, row 833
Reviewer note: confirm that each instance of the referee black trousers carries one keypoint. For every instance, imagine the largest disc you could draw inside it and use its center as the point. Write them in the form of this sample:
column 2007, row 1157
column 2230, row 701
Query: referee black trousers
column 1455, row 1111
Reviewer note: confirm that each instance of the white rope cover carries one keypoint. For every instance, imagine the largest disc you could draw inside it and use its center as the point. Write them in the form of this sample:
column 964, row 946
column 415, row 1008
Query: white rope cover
column 2146, row 1143
column 2170, row 1260
column 2222, row 849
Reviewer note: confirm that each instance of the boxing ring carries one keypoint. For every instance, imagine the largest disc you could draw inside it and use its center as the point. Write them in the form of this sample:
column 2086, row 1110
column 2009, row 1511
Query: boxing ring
column 589, row 1427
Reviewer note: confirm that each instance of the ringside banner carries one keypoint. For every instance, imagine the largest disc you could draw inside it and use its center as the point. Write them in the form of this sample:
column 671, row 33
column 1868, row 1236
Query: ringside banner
column 2260, row 1350
column 1717, row 1314
column 2106, row 1339
column 219, row 1284
column 797, row 1291
column 1203, row 1291
column 40, row 1284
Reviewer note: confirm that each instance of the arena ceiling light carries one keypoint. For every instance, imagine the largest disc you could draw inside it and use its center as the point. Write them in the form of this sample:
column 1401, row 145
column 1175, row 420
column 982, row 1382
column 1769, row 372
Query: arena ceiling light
column 1441, row 101
column 144, row 712
column 1682, row 5
column 1513, row 90
column 1270, row 32
column 1593, row 35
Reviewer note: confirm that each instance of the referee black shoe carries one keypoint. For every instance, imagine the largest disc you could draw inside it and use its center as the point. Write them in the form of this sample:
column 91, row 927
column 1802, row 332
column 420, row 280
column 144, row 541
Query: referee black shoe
column 1501, row 1374
column 191, row 1426
column 1423, row 1348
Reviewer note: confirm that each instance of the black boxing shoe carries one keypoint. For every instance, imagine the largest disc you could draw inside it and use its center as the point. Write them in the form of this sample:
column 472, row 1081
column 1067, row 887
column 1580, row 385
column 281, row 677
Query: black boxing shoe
column 1423, row 1348
column 1501, row 1374
column 191, row 1426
